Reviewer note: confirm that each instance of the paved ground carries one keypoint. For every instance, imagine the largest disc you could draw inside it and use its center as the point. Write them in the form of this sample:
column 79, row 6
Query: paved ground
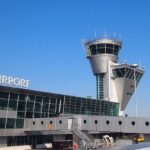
column 141, row 146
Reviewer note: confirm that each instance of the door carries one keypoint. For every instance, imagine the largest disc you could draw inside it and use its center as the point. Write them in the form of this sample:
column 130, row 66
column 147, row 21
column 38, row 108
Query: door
column 69, row 124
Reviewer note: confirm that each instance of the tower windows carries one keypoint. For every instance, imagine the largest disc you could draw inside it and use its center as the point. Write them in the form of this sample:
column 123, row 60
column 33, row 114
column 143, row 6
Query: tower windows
column 104, row 49
column 127, row 72
column 100, row 86
column 109, row 51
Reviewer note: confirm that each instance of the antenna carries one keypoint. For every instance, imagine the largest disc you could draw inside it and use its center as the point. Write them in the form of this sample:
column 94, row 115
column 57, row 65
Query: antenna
column 105, row 34
column 125, row 61
column 120, row 38
column 83, row 46
column 141, row 66
column 83, row 42
column 95, row 34
column 114, row 35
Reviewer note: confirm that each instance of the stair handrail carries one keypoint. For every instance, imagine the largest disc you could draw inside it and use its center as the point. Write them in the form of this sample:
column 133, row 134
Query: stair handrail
column 84, row 137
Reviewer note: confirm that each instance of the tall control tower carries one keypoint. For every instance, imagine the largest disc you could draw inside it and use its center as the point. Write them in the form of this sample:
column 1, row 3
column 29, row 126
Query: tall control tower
column 114, row 82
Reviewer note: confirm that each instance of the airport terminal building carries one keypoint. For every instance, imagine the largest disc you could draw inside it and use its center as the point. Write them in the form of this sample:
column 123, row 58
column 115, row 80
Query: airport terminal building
column 19, row 106
column 29, row 117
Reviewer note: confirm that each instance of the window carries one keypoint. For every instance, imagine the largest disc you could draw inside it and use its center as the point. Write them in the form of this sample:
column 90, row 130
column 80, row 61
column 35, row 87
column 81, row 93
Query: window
column 133, row 123
column 12, row 105
column 109, row 45
column 45, row 100
column 45, row 108
column 38, row 99
column 33, row 122
column 22, row 97
column 21, row 105
column 96, row 121
column 107, row 122
column 51, row 122
column 30, row 98
column 84, row 121
column 109, row 51
column 119, row 72
column 19, row 123
column 147, row 123
column 30, row 106
column 101, row 51
column 117, row 47
column 44, row 115
column 42, row 122
column 100, row 48
column 14, row 96
column 116, row 51
column 10, row 123
column 60, row 122
column 2, row 123
column 92, row 47
column 131, row 75
column 53, row 100
column 138, row 77
column 93, row 51
column 128, row 72
column 3, row 104
column 38, row 107
column 37, row 115
column 129, row 93
column 120, row 123
column 4, row 95
column 20, row 114
column 29, row 114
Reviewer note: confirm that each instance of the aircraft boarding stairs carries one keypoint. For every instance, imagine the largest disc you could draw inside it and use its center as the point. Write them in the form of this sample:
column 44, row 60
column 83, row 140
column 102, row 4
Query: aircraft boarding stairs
column 85, row 142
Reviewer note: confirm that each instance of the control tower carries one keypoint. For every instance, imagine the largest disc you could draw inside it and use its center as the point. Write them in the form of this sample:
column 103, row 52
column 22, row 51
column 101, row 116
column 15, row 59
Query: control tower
column 114, row 82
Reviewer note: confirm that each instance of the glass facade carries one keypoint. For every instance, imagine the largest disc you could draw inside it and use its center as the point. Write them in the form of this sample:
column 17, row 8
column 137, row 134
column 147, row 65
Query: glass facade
column 128, row 73
column 34, row 104
column 75, row 105
column 100, row 86
column 29, row 140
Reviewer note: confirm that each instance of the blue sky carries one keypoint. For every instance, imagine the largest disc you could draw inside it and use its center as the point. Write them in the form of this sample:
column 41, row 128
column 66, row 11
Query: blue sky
column 40, row 40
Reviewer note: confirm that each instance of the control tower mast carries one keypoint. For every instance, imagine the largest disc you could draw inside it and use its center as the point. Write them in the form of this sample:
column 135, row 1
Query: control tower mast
column 114, row 81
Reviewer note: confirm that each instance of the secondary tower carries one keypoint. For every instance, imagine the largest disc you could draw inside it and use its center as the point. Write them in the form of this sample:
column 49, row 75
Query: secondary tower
column 114, row 82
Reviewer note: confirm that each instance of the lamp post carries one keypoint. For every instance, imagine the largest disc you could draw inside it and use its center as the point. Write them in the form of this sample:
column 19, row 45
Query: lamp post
column 134, row 69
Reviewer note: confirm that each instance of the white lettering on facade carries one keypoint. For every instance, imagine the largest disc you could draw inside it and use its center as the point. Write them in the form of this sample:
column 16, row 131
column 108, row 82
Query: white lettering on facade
column 4, row 79
column 10, row 80
column 16, row 81
column 13, row 81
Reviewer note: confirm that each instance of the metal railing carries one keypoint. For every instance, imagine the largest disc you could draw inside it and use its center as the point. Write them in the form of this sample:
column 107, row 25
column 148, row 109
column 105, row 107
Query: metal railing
column 85, row 142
